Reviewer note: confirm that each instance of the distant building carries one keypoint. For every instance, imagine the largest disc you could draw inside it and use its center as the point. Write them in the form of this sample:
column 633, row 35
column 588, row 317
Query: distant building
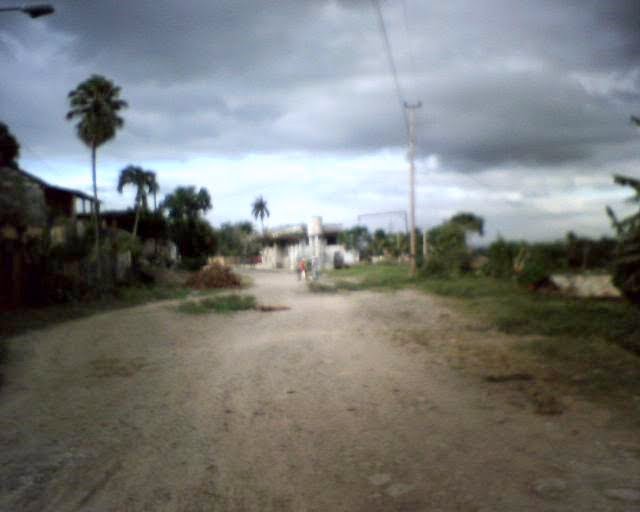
column 287, row 245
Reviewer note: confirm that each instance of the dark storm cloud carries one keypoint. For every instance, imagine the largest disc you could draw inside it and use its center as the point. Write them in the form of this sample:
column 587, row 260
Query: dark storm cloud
column 533, row 117
column 618, row 23
column 524, row 83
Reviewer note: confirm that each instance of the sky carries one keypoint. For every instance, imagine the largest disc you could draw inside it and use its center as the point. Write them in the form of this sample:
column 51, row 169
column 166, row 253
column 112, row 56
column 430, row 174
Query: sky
column 524, row 117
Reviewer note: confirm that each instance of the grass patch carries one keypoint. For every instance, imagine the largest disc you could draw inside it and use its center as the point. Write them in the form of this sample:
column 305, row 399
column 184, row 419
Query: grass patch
column 372, row 277
column 219, row 304
column 318, row 287
column 590, row 344
column 515, row 310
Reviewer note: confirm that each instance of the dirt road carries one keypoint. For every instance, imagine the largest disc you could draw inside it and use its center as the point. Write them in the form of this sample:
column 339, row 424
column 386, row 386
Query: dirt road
column 329, row 406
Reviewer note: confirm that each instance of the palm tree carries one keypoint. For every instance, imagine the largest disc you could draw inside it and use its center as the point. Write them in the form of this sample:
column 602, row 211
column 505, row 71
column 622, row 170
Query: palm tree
column 185, row 204
column 145, row 183
column 260, row 210
column 154, row 188
column 95, row 103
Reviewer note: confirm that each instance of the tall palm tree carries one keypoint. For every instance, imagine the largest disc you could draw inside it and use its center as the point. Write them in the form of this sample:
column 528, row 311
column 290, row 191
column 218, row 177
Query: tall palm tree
column 95, row 103
column 145, row 183
column 260, row 210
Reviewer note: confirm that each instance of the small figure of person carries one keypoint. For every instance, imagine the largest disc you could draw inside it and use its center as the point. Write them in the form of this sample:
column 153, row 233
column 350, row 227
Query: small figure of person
column 302, row 269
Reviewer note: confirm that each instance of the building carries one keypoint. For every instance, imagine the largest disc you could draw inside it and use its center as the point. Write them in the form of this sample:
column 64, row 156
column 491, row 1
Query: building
column 287, row 245
column 30, row 210
column 28, row 201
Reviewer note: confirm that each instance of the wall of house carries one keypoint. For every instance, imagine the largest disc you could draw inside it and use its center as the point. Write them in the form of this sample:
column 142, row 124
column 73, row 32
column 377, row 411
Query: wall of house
column 59, row 202
column 287, row 258
column 22, row 200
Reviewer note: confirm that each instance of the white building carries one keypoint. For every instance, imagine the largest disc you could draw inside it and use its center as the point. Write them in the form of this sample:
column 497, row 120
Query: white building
column 287, row 245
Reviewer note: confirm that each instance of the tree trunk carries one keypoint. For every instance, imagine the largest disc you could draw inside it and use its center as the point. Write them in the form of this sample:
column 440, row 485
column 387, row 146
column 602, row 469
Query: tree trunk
column 96, row 214
column 135, row 223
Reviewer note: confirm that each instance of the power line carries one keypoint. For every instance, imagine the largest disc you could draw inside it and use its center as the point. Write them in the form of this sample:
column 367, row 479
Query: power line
column 392, row 65
column 409, row 41
column 392, row 213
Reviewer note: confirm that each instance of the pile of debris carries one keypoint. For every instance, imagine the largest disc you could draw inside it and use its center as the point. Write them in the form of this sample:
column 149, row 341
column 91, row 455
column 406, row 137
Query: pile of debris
column 214, row 275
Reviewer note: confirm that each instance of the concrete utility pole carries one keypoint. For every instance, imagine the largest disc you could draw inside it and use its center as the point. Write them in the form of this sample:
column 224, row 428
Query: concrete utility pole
column 411, row 109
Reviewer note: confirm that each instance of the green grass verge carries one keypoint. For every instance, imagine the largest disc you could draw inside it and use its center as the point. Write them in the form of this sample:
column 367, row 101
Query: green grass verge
column 509, row 307
column 594, row 344
column 218, row 304
column 372, row 277
column 515, row 310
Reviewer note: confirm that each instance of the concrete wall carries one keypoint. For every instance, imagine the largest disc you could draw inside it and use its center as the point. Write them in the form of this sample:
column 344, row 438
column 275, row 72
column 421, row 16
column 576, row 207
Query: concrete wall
column 288, row 257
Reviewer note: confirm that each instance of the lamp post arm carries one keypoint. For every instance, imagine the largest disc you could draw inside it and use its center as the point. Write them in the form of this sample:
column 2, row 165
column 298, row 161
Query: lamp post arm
column 34, row 11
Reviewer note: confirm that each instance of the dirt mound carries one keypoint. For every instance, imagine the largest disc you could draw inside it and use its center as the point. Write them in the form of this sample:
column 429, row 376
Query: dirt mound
column 214, row 275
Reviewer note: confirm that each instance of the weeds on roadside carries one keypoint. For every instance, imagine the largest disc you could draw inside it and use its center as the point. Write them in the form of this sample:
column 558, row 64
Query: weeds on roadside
column 515, row 310
column 13, row 323
column 218, row 304
column 590, row 343
column 339, row 285
column 372, row 277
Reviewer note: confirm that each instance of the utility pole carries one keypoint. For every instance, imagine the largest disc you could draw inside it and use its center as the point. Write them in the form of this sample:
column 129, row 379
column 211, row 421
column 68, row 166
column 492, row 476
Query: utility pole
column 411, row 109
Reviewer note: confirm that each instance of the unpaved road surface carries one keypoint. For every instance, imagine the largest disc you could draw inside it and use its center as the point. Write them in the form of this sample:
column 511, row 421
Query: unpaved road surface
column 328, row 406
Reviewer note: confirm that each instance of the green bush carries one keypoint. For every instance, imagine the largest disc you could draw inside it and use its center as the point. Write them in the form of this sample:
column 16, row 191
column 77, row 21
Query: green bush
column 502, row 255
column 448, row 253
column 537, row 266
column 124, row 242
column 434, row 267
column 196, row 240
column 626, row 268
column 193, row 264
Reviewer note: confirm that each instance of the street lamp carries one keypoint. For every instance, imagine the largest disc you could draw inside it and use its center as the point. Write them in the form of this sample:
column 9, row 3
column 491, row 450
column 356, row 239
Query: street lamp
column 34, row 11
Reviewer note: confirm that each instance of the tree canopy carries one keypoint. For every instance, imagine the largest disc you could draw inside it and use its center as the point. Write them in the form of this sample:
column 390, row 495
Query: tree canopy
column 260, row 210
column 95, row 103
column 187, row 204
column 145, row 183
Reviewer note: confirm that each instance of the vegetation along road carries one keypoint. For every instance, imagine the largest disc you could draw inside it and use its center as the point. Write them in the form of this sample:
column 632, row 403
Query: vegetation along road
column 347, row 401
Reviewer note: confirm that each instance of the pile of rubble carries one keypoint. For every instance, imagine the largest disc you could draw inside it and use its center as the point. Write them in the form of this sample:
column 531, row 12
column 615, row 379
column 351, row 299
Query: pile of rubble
column 214, row 275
